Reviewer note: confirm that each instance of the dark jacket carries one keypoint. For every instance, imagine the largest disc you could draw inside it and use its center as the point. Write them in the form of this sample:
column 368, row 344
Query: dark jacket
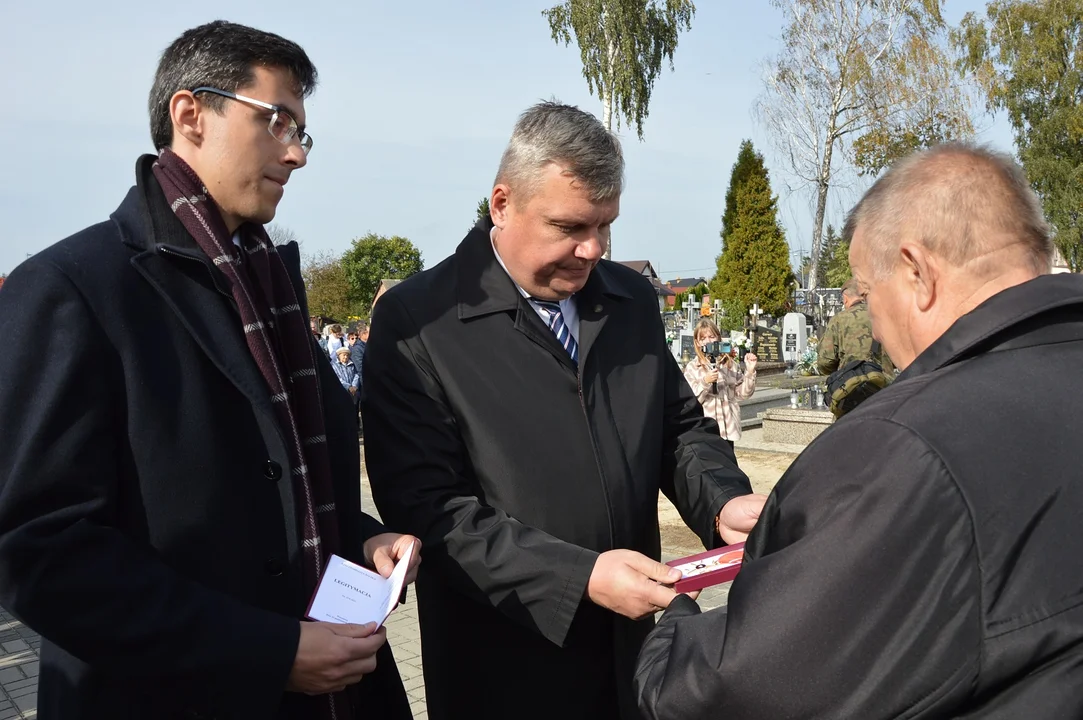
column 517, row 471
column 923, row 558
column 357, row 357
column 148, row 527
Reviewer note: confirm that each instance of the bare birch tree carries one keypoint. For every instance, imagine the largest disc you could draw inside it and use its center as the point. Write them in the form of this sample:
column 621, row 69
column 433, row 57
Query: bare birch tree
column 857, row 84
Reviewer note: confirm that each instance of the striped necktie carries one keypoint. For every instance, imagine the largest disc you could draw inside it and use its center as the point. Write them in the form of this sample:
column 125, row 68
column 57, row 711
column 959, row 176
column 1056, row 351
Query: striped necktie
column 560, row 328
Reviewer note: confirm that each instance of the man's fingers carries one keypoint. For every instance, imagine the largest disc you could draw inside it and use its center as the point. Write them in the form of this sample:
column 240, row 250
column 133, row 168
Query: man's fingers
column 403, row 544
column 732, row 537
column 353, row 671
column 653, row 569
column 753, row 505
column 740, row 515
column 351, row 630
column 661, row 596
column 381, row 560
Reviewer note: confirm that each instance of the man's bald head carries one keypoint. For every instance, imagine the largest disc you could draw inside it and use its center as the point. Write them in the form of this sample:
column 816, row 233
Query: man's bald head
column 967, row 205
column 941, row 232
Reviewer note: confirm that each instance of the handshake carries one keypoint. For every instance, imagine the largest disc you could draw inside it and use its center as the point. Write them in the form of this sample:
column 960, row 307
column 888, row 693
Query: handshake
column 631, row 584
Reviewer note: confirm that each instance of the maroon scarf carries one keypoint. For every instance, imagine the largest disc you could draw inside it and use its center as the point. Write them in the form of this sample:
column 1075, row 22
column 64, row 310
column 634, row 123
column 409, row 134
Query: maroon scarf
column 280, row 341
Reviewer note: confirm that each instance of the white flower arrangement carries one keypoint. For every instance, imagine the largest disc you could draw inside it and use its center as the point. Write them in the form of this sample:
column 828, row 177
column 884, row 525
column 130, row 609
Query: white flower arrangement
column 807, row 364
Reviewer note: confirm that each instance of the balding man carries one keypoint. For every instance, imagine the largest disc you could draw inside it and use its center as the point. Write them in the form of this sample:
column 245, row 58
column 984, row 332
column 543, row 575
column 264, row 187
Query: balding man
column 923, row 558
column 848, row 337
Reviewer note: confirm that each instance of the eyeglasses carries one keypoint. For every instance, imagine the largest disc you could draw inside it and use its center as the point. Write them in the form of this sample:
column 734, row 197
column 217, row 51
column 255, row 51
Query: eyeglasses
column 282, row 125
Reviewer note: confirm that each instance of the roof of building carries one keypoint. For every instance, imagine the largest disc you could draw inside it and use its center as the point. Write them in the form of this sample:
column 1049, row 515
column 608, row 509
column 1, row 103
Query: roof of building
column 661, row 289
column 638, row 265
column 682, row 284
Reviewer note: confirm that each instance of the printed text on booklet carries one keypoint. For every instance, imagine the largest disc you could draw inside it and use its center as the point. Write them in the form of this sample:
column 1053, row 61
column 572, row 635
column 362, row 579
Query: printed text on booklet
column 349, row 593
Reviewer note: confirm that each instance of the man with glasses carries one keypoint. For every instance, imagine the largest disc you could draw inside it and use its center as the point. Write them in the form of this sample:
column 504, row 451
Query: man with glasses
column 167, row 508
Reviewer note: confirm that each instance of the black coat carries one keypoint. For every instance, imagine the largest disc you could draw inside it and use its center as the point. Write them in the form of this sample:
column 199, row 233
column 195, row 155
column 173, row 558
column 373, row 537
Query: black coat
column 147, row 521
column 517, row 471
column 923, row 558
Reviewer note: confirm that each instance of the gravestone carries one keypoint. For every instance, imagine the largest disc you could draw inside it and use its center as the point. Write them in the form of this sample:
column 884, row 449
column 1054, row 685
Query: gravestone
column 768, row 345
column 794, row 337
column 688, row 344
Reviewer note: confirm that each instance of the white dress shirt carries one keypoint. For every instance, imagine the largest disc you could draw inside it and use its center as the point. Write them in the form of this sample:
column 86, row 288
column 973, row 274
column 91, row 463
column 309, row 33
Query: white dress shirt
column 567, row 306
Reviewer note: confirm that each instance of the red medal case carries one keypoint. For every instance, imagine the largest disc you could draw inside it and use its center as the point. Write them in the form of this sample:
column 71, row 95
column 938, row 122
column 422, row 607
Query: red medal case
column 708, row 568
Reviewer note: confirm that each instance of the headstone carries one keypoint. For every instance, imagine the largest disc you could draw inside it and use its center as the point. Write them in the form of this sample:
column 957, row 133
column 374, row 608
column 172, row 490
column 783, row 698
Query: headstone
column 768, row 345
column 688, row 345
column 794, row 337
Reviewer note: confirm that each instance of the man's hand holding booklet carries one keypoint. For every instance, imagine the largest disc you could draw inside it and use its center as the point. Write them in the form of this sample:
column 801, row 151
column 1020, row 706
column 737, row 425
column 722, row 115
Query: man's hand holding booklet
column 350, row 593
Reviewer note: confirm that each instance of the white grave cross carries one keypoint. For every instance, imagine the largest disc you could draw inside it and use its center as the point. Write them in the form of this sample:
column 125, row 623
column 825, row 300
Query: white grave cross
column 690, row 305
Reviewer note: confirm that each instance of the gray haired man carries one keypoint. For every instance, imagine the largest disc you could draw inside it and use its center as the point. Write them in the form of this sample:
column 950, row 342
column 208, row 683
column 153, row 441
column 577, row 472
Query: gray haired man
column 523, row 413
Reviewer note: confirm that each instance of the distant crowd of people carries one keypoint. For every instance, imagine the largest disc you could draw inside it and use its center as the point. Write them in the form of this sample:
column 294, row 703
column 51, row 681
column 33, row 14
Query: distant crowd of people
column 346, row 351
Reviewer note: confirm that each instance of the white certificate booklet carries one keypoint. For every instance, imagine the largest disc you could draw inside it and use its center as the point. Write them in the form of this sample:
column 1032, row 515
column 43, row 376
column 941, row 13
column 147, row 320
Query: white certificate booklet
column 349, row 593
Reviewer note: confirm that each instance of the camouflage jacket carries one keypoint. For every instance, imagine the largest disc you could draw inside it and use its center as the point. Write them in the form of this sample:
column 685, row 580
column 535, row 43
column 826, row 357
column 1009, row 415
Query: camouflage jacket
column 848, row 337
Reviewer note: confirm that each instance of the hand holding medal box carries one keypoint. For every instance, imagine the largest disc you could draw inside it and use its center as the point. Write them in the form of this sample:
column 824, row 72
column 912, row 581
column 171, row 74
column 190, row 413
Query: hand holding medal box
column 713, row 567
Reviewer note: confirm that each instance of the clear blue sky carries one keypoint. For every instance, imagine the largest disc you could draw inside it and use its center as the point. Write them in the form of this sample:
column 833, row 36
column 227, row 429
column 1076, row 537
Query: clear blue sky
column 416, row 101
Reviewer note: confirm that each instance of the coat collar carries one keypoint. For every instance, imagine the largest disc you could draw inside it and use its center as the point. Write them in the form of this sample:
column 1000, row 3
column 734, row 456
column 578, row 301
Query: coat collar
column 145, row 218
column 1001, row 318
column 198, row 293
column 192, row 287
column 485, row 288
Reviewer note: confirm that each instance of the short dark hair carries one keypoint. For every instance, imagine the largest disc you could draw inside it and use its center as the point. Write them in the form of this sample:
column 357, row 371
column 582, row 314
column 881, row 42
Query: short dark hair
column 223, row 55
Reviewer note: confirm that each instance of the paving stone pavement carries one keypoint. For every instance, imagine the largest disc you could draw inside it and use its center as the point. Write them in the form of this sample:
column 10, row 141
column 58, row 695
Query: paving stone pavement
column 18, row 669
column 20, row 647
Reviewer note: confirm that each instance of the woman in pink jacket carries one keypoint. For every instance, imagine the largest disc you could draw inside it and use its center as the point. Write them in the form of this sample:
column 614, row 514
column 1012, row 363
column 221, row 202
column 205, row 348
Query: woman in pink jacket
column 718, row 386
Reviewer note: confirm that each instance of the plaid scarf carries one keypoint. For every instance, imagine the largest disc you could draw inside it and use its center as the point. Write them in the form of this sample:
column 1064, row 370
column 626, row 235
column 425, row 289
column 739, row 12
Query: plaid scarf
column 280, row 341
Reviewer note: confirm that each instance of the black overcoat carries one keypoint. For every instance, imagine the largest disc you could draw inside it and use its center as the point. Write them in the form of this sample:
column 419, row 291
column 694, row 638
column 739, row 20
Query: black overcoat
column 923, row 558
column 148, row 527
column 517, row 470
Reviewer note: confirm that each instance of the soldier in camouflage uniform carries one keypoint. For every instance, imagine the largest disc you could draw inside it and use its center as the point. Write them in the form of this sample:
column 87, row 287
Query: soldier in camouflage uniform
column 848, row 336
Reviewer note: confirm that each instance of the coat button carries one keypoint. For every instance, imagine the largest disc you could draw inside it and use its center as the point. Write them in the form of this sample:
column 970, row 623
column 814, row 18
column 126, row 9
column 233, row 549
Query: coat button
column 273, row 568
column 273, row 471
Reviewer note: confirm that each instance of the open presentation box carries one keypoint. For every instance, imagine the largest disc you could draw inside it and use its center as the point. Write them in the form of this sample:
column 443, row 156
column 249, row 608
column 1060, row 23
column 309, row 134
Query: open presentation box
column 708, row 568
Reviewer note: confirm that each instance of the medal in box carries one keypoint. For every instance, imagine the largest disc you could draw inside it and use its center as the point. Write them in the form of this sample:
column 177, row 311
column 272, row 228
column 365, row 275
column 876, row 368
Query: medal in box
column 713, row 567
